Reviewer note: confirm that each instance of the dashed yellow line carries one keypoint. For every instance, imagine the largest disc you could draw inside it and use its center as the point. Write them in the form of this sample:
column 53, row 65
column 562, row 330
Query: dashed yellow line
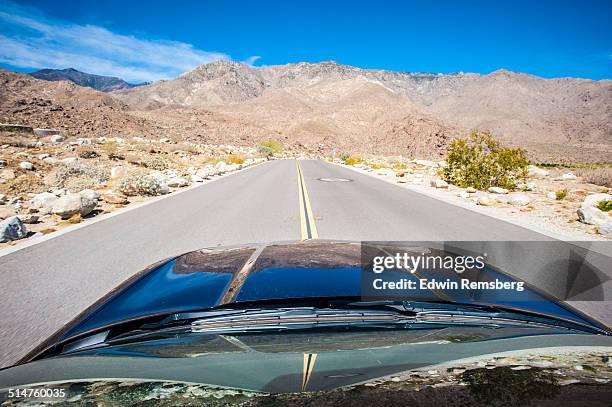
column 307, row 221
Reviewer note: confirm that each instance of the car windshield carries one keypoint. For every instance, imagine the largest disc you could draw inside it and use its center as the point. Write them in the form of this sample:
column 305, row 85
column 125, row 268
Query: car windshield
column 305, row 203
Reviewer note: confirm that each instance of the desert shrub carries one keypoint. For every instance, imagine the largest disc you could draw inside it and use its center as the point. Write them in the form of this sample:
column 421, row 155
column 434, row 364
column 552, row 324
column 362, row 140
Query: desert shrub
column 272, row 144
column 111, row 149
column 266, row 151
column 234, row 159
column 399, row 166
column 481, row 162
column 132, row 185
column 599, row 176
column 154, row 162
column 344, row 156
column 81, row 182
column 605, row 205
column 561, row 195
column 353, row 161
column 87, row 152
column 74, row 170
column 23, row 185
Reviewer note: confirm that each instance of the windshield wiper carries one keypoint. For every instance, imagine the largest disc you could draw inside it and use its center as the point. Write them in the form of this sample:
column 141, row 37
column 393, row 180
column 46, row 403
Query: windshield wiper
column 334, row 314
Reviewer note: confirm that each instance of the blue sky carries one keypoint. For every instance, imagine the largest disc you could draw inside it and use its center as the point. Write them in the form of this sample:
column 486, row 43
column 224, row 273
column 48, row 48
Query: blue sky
column 145, row 41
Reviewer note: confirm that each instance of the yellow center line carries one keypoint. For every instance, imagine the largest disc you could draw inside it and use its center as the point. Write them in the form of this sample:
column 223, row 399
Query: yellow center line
column 307, row 220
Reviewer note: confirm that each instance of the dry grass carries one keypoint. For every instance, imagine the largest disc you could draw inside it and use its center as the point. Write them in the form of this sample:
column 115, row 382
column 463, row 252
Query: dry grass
column 22, row 185
column 235, row 159
column 601, row 176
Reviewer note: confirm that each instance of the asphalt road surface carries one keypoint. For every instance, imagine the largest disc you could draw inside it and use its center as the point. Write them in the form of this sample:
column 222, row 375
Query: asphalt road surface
column 48, row 284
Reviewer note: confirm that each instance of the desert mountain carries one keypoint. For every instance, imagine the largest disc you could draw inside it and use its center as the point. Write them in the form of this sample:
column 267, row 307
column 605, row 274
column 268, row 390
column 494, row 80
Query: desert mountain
column 64, row 105
column 97, row 82
column 325, row 106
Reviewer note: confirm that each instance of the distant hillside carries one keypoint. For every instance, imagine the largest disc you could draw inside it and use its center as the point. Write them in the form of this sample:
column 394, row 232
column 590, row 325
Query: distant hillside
column 333, row 104
column 97, row 82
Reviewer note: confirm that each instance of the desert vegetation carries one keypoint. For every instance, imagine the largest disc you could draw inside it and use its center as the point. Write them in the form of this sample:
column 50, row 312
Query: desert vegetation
column 481, row 162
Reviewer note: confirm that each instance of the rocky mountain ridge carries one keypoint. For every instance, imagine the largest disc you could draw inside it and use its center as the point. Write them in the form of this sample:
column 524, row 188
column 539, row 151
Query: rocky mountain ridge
column 97, row 82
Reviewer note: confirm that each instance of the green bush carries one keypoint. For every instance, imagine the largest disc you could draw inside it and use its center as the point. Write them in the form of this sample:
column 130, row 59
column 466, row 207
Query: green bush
column 266, row 151
column 139, row 185
column 560, row 195
column 273, row 145
column 605, row 205
column 481, row 162
column 344, row 156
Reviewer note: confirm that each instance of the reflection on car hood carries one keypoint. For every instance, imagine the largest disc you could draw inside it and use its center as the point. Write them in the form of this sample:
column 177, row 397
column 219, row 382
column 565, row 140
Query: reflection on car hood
column 312, row 269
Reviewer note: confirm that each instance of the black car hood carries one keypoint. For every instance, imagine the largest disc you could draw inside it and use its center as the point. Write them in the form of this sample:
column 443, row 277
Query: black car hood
column 313, row 269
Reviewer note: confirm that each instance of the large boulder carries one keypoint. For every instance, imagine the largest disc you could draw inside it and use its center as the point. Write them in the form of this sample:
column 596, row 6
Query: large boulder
column 12, row 229
column 90, row 194
column 72, row 204
column 590, row 214
column 43, row 202
column 594, row 199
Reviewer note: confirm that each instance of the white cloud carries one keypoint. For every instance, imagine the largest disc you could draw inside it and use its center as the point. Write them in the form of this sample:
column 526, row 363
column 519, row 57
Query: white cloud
column 31, row 40
column 251, row 60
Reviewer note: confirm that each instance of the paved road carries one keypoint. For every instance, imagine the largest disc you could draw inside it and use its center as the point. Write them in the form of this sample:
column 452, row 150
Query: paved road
column 48, row 284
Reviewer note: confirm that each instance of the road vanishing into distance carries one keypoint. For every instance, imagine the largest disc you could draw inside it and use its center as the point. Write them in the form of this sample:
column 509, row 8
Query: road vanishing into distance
column 48, row 284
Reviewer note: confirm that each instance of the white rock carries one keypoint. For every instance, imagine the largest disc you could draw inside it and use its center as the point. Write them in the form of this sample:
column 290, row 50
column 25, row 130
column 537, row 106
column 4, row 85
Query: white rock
column 118, row 171
column 176, row 182
column 566, row 177
column 471, row 190
column 90, row 194
column 69, row 160
column 605, row 229
column 205, row 172
column 594, row 199
column 551, row 195
column 484, row 201
column 498, row 190
column 438, row 183
column 57, row 139
column 463, row 194
column 51, row 160
column 3, row 199
column 43, row 156
column 43, row 202
column 71, row 204
column 26, row 165
column 518, row 199
column 12, row 229
column 534, row 171
column 195, row 178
